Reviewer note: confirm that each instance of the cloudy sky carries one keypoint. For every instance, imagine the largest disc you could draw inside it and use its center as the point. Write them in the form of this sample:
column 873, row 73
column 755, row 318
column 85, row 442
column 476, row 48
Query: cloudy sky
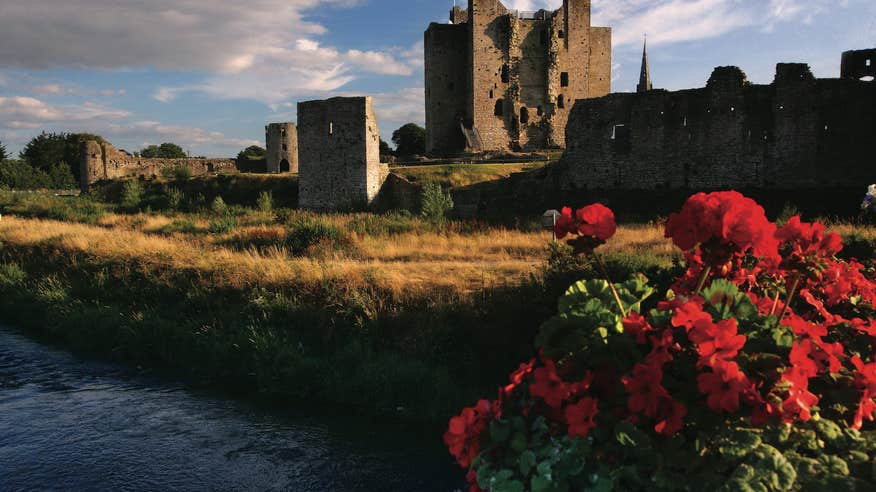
column 208, row 74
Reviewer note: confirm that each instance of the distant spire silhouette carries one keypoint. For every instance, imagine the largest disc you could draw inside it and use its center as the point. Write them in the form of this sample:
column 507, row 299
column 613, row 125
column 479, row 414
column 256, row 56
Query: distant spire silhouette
column 645, row 76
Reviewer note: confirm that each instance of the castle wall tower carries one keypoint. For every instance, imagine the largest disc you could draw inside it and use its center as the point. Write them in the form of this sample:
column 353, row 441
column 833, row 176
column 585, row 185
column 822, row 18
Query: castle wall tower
column 339, row 151
column 281, row 142
column 524, row 71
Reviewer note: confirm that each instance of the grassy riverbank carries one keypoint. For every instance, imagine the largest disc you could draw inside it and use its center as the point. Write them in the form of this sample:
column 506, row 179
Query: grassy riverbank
column 389, row 313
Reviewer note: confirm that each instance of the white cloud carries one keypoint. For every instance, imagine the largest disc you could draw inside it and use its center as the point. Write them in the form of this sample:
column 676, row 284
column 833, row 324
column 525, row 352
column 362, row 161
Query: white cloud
column 672, row 21
column 22, row 118
column 259, row 49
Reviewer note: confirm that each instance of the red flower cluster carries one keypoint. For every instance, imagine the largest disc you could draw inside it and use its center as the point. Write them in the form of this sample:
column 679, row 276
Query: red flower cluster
column 593, row 224
column 463, row 437
column 688, row 359
column 725, row 225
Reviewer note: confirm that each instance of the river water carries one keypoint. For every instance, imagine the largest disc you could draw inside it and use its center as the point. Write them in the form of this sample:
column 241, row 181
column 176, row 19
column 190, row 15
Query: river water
column 73, row 424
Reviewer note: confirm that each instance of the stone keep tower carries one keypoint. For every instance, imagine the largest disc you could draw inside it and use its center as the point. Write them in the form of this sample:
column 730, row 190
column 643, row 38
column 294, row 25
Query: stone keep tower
column 339, row 152
column 499, row 79
column 281, row 142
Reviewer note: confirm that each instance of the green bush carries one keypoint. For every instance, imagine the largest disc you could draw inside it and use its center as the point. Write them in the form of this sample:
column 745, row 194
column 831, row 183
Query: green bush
column 179, row 172
column 174, row 198
column 12, row 275
column 132, row 194
column 218, row 207
column 307, row 231
column 435, row 203
column 396, row 222
column 266, row 202
column 222, row 225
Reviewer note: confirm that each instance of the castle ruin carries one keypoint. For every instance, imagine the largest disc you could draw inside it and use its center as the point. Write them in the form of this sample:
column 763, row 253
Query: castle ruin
column 99, row 161
column 500, row 79
column 339, row 154
column 281, row 143
column 798, row 132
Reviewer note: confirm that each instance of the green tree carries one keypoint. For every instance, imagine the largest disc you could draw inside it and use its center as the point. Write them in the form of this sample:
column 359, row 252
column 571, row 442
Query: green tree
column 46, row 150
column 252, row 153
column 410, row 140
column 385, row 149
column 165, row 151
column 3, row 154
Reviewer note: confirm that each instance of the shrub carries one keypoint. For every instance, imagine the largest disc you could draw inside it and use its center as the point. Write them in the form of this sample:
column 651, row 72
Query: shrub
column 306, row 232
column 132, row 194
column 222, row 224
column 174, row 198
column 435, row 203
column 12, row 275
column 218, row 206
column 178, row 172
column 756, row 372
column 265, row 202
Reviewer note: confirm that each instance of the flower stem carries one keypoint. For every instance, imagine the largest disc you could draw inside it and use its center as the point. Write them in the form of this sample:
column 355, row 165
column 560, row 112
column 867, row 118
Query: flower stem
column 702, row 282
column 793, row 292
column 775, row 303
column 617, row 298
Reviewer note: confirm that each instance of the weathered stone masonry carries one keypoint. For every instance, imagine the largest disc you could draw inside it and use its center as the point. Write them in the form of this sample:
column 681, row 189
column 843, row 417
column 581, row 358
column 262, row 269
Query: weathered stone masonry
column 281, row 143
column 339, row 154
column 101, row 161
column 799, row 132
column 499, row 79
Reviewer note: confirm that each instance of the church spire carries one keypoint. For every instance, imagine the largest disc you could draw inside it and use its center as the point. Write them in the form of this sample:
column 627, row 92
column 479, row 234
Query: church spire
column 645, row 77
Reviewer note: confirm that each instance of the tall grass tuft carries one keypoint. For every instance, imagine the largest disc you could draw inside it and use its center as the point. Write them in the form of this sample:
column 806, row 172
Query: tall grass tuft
column 265, row 202
column 435, row 203
column 132, row 194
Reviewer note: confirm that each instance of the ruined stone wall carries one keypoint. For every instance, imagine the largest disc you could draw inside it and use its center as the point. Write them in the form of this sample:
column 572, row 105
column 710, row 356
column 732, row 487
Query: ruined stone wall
column 795, row 133
column 525, row 70
column 281, row 142
column 447, row 86
column 859, row 64
column 102, row 161
column 339, row 154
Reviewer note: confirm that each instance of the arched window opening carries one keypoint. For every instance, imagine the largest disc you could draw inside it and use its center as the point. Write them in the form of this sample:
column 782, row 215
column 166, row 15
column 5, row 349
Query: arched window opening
column 500, row 108
column 561, row 101
column 505, row 75
column 564, row 79
column 491, row 93
column 524, row 116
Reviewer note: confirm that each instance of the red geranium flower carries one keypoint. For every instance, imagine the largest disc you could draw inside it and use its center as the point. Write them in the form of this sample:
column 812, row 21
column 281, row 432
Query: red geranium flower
column 724, row 385
column 865, row 380
column 463, row 436
column 593, row 224
column 638, row 327
column 549, row 386
column 597, row 221
column 581, row 417
column 645, row 388
column 806, row 242
column 720, row 342
column 672, row 419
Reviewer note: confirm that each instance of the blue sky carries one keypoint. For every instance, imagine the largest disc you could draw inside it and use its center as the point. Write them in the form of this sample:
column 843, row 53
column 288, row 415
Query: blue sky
column 208, row 74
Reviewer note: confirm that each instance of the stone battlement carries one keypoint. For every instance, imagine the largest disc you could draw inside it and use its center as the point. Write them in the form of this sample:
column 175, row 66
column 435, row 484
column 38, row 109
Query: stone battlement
column 798, row 132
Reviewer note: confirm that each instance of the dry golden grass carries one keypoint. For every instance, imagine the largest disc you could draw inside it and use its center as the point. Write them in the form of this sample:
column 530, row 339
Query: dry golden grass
column 402, row 270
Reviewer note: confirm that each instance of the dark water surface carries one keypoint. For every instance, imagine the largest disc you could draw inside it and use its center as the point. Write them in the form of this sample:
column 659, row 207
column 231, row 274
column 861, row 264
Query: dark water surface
column 73, row 424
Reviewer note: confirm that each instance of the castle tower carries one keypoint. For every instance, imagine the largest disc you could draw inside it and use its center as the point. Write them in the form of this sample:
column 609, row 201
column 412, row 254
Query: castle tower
column 500, row 79
column 645, row 76
column 281, row 142
column 339, row 147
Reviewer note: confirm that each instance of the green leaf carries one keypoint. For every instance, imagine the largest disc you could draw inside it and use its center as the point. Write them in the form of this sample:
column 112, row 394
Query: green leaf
column 540, row 484
column 519, row 443
column 500, row 431
column 527, row 462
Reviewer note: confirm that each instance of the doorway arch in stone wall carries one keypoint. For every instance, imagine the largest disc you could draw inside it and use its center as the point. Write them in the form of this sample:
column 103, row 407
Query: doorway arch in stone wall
column 284, row 166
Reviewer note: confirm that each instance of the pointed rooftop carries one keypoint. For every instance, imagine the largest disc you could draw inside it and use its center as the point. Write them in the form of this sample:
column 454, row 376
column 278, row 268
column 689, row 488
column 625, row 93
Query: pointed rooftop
column 645, row 76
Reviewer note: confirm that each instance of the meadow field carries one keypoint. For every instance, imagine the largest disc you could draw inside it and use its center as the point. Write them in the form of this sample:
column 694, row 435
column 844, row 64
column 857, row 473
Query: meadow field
column 418, row 314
